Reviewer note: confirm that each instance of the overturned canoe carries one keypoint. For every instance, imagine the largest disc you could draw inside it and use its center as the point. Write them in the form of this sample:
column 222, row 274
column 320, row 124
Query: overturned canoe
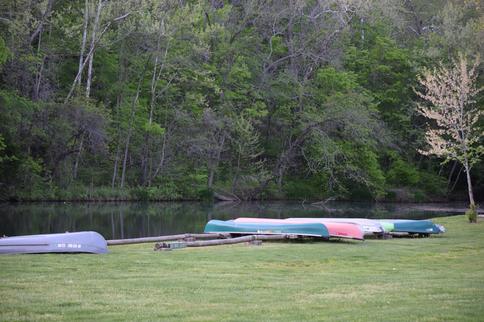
column 413, row 226
column 78, row 242
column 335, row 229
column 232, row 227
column 368, row 226
column 387, row 226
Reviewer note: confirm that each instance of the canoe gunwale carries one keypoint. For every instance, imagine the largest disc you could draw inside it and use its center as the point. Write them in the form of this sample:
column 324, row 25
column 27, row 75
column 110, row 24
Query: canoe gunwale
column 272, row 233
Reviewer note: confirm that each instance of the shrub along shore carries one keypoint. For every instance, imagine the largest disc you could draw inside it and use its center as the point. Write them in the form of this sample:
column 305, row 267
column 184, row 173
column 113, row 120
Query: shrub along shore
column 401, row 279
column 189, row 192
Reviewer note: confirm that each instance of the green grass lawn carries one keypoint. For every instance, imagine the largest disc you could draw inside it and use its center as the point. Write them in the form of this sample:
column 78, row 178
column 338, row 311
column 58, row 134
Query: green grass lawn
column 425, row 279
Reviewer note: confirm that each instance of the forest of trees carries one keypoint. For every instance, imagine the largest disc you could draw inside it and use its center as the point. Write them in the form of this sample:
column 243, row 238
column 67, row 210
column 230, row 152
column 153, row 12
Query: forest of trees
column 246, row 99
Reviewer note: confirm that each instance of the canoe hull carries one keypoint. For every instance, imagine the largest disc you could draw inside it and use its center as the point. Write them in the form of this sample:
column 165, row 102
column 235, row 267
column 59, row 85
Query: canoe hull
column 414, row 226
column 368, row 226
column 335, row 230
column 230, row 226
column 78, row 242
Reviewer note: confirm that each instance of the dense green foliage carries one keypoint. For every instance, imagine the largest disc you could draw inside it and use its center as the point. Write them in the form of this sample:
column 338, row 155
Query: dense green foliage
column 401, row 279
column 170, row 99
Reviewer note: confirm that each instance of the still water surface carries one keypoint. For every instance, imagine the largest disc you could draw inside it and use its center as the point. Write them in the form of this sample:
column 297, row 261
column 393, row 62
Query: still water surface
column 137, row 219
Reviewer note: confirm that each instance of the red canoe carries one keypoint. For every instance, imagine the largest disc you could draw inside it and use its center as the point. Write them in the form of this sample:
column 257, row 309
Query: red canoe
column 335, row 229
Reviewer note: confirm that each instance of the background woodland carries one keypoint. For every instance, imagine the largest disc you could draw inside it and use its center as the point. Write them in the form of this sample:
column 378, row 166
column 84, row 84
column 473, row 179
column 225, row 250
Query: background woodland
column 173, row 100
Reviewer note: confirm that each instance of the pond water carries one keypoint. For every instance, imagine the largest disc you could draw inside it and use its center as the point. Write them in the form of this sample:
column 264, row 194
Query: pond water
column 137, row 219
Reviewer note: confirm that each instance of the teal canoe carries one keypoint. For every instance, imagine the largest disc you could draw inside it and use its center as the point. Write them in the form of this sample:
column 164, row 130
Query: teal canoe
column 229, row 226
column 413, row 226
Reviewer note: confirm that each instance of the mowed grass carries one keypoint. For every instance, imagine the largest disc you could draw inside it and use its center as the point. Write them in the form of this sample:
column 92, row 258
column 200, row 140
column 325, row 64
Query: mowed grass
column 423, row 279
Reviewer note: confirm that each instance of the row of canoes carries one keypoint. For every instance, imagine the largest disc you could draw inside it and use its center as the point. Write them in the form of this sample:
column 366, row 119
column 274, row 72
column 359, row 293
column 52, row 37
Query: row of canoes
column 350, row 228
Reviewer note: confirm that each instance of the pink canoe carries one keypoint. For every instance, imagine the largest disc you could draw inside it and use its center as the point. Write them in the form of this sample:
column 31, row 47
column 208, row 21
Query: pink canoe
column 335, row 229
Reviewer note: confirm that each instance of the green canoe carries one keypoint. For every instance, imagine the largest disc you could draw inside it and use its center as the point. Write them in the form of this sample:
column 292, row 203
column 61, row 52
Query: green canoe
column 387, row 226
column 229, row 226
column 413, row 226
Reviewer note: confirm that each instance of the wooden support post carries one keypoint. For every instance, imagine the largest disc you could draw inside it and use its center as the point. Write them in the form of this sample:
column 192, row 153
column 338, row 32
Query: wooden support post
column 216, row 242
column 112, row 242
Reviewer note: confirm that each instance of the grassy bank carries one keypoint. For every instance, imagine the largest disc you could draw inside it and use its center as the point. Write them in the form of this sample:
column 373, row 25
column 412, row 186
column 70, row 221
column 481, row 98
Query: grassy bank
column 428, row 279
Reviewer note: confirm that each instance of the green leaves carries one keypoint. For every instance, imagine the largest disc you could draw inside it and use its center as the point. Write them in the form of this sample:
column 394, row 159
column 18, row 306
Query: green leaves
column 277, row 46
column 259, row 92
column 257, row 110
column 3, row 156
column 4, row 52
column 153, row 129
column 329, row 81
column 401, row 172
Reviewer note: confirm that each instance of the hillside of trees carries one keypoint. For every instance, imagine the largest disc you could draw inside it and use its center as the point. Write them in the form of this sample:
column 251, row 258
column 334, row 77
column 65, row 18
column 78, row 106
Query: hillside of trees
column 245, row 99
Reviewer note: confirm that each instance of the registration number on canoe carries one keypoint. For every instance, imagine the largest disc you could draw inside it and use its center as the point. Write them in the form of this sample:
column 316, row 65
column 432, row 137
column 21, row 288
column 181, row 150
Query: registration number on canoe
column 64, row 245
column 268, row 231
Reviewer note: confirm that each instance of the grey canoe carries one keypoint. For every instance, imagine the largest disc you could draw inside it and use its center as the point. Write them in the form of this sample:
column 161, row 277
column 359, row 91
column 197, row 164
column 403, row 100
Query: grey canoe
column 78, row 242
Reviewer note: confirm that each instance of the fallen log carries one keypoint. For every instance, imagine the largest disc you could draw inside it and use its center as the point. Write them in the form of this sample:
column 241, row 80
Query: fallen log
column 217, row 242
column 323, row 202
column 225, row 197
column 112, row 242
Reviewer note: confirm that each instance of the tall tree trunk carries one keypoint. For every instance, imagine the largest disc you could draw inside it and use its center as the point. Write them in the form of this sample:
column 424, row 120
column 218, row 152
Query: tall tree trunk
column 89, row 54
column 78, row 157
column 81, row 69
column 119, row 100
column 146, row 155
column 162, row 160
column 451, row 174
column 152, row 175
column 38, row 78
column 47, row 13
column 116, row 166
column 131, row 121
column 456, row 180
column 235, row 178
column 280, row 176
column 213, row 163
column 469, row 182
column 93, row 43
column 84, row 38
column 211, row 175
